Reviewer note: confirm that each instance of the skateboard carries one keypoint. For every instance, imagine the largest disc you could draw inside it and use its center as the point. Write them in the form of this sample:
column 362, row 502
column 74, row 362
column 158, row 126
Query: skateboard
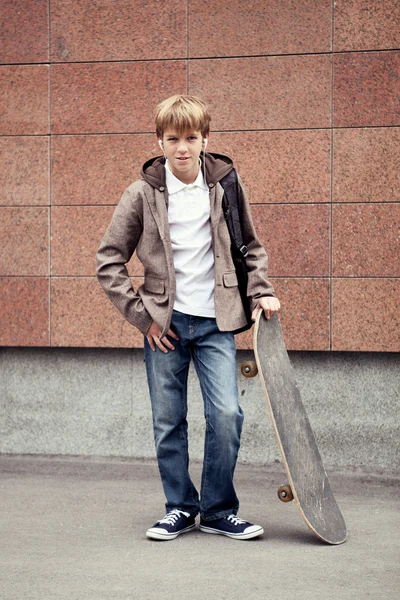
column 308, row 484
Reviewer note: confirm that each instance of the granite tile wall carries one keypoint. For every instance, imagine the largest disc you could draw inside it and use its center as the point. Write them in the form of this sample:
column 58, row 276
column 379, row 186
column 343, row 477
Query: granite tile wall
column 304, row 97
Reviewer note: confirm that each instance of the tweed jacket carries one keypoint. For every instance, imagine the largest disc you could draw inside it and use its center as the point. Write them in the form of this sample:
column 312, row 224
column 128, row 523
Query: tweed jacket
column 140, row 222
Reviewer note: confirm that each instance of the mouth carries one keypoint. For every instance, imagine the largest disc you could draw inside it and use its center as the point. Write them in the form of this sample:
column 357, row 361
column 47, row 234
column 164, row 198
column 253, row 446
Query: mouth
column 183, row 158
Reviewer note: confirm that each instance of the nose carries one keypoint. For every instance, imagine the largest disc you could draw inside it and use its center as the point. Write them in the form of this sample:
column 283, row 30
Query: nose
column 182, row 146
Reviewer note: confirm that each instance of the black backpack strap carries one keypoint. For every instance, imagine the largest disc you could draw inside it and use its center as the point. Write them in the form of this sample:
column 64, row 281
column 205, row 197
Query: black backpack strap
column 230, row 206
column 232, row 213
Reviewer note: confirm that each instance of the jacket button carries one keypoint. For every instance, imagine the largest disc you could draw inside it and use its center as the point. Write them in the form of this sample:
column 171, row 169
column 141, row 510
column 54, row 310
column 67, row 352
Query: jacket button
column 162, row 189
column 211, row 185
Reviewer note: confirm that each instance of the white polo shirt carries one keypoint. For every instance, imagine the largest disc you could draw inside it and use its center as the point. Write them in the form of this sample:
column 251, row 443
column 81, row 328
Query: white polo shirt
column 190, row 229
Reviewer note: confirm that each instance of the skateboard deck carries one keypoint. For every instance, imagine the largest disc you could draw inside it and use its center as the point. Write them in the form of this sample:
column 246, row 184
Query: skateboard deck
column 308, row 482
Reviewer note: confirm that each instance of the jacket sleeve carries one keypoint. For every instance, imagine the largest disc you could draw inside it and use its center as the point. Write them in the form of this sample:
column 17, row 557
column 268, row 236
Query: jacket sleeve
column 257, row 259
column 118, row 245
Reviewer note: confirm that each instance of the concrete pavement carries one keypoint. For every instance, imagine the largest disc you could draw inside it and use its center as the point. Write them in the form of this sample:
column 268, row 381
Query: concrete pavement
column 75, row 529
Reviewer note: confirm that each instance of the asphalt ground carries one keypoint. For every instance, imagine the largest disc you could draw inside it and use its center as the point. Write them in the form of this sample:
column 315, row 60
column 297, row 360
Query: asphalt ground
column 74, row 529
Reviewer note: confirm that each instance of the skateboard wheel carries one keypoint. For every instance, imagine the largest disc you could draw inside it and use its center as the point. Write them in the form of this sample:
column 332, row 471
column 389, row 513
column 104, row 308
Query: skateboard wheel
column 285, row 493
column 249, row 368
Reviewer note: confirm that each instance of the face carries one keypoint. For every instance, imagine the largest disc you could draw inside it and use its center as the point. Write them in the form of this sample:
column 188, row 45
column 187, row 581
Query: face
column 183, row 152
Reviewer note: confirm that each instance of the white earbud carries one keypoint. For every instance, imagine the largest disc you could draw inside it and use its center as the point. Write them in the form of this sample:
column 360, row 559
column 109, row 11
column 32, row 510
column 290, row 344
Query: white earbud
column 205, row 143
column 162, row 148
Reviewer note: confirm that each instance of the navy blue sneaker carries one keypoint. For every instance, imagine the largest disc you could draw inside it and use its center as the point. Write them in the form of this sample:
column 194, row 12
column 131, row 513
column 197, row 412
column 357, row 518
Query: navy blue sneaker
column 232, row 527
column 173, row 524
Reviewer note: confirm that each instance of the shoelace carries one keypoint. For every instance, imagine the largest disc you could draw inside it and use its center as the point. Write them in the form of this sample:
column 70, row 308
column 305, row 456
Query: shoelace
column 172, row 517
column 236, row 520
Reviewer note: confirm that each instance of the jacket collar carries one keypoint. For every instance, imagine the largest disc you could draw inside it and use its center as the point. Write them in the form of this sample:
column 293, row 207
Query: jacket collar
column 217, row 166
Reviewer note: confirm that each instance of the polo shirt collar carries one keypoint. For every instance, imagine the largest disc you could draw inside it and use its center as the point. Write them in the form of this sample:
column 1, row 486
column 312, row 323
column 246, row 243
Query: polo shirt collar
column 176, row 185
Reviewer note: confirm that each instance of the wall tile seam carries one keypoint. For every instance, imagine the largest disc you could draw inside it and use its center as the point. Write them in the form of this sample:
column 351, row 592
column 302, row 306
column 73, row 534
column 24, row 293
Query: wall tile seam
column 272, row 276
column 336, row 203
column 252, row 204
column 290, row 54
column 304, row 203
column 49, row 34
column 187, row 15
column 367, row 51
column 331, row 176
column 368, row 203
column 27, row 135
column 25, row 276
column 182, row 59
column 262, row 130
column 202, row 58
column 26, row 64
column 185, row 59
column 332, row 26
column 29, row 205
column 49, row 190
column 335, row 277
column 198, row 58
column 249, row 130
column 93, row 62
column 98, row 205
column 93, row 276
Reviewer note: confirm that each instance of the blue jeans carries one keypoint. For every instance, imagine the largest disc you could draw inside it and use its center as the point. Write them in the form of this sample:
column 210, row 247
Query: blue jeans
column 214, row 357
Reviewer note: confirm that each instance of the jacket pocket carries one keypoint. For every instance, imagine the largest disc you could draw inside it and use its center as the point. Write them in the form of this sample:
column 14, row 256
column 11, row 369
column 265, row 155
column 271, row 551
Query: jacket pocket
column 230, row 279
column 154, row 285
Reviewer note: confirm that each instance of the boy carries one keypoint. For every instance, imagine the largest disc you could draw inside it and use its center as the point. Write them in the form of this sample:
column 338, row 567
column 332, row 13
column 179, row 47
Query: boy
column 187, row 309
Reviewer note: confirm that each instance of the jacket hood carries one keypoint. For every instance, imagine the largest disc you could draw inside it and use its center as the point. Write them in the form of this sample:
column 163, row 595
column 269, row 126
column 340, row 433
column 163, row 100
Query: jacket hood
column 217, row 166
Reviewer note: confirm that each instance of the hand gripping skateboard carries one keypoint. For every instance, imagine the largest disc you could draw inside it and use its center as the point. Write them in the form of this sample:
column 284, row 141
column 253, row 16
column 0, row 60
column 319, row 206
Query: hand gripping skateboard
column 308, row 481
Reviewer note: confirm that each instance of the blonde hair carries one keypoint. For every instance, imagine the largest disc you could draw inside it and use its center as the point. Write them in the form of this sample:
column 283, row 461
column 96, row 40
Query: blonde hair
column 181, row 112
